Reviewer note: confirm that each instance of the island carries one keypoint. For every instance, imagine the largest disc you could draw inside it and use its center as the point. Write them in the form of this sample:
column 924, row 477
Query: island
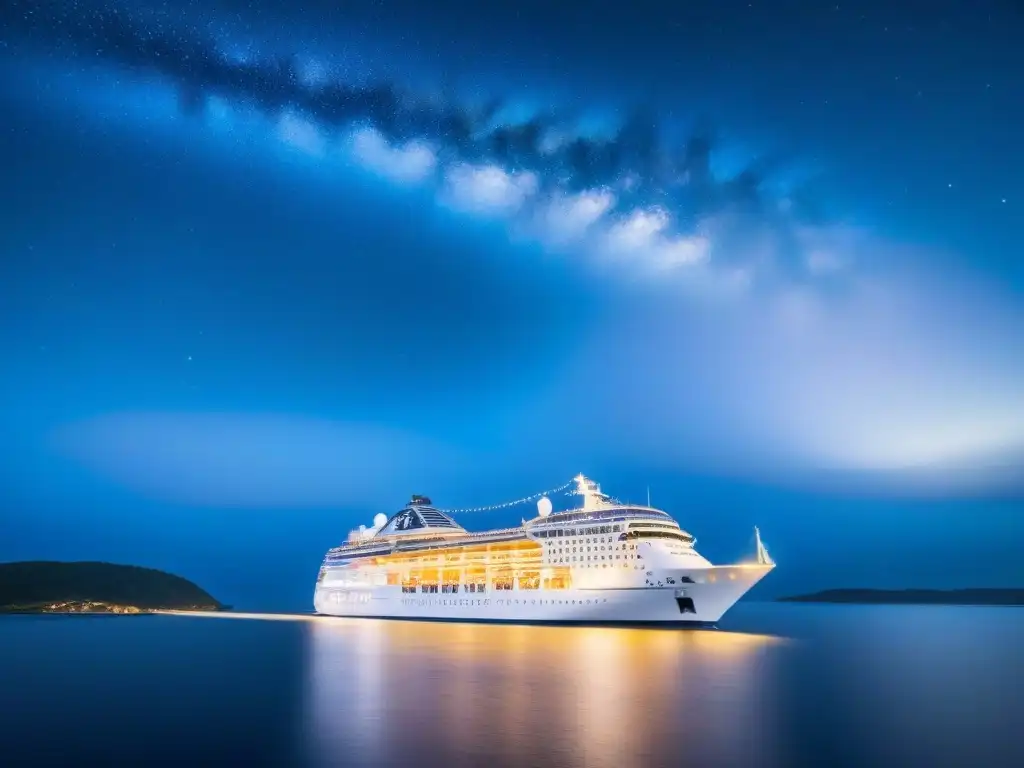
column 96, row 588
column 913, row 597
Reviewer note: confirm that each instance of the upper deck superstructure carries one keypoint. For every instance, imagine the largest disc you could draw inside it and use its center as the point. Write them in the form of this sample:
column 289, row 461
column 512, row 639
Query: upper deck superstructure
column 601, row 561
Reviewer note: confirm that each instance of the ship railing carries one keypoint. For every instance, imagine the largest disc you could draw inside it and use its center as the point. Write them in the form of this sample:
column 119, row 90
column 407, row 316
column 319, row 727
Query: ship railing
column 498, row 531
column 496, row 536
column 600, row 515
column 357, row 548
column 539, row 524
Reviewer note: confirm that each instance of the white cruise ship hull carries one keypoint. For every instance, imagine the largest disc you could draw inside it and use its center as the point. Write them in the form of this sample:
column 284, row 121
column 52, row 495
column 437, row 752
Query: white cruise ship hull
column 703, row 602
column 602, row 563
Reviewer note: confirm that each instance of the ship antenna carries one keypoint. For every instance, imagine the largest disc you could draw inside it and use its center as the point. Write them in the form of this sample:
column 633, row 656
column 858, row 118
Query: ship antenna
column 648, row 496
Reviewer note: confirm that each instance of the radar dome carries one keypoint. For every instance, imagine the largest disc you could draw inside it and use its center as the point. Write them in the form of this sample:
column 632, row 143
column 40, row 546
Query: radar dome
column 379, row 520
column 544, row 506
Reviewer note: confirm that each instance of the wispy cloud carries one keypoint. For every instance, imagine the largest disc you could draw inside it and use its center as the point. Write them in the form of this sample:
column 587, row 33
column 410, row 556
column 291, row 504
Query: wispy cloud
column 300, row 133
column 487, row 189
column 887, row 379
column 644, row 237
column 831, row 249
column 566, row 217
column 410, row 162
column 252, row 460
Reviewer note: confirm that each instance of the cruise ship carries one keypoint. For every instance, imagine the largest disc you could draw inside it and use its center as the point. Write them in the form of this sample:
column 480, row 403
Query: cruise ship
column 603, row 562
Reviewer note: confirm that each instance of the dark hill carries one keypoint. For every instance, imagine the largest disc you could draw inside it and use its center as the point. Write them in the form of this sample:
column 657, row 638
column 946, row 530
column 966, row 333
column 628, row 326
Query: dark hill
column 914, row 596
column 90, row 587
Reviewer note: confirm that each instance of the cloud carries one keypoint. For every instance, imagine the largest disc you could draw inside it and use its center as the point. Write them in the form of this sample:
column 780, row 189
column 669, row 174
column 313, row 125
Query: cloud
column 566, row 217
column 830, row 249
column 682, row 251
column 253, row 461
column 301, row 134
column 637, row 232
column 641, row 238
column 411, row 162
column 902, row 379
column 487, row 189
column 890, row 376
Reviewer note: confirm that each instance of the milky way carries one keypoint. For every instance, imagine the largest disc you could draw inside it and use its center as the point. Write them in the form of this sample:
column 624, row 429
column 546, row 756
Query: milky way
column 653, row 192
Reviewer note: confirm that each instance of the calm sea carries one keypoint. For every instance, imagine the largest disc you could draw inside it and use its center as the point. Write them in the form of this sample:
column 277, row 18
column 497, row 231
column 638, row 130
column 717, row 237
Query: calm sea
column 779, row 685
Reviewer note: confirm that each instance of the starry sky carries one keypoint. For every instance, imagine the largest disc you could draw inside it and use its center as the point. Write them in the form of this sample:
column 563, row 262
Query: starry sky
column 270, row 267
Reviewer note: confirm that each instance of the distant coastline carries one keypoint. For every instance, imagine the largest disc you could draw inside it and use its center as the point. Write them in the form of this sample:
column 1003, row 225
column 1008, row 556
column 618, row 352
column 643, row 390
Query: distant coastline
column 97, row 588
column 913, row 597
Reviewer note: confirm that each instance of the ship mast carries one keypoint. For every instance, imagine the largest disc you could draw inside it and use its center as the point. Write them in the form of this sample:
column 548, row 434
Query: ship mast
column 591, row 493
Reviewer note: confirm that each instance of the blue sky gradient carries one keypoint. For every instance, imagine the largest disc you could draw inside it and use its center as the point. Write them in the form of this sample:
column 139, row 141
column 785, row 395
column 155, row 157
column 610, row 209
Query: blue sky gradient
column 269, row 269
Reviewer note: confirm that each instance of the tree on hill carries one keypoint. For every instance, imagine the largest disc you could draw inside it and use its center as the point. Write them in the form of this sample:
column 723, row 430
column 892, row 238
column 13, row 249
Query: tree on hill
column 33, row 583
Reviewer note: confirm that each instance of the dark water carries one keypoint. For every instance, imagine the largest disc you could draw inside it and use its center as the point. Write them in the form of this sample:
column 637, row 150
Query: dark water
column 787, row 685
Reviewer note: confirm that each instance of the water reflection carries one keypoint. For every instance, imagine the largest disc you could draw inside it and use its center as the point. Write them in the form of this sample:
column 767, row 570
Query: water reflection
column 880, row 686
column 401, row 693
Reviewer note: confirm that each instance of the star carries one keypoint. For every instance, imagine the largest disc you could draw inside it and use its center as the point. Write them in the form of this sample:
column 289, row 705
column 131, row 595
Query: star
column 190, row 358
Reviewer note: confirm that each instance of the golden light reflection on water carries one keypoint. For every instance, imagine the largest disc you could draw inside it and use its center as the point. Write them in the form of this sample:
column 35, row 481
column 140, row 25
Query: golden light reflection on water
column 382, row 692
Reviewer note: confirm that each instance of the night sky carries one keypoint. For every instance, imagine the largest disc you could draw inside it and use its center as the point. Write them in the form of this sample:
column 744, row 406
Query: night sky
column 267, row 268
